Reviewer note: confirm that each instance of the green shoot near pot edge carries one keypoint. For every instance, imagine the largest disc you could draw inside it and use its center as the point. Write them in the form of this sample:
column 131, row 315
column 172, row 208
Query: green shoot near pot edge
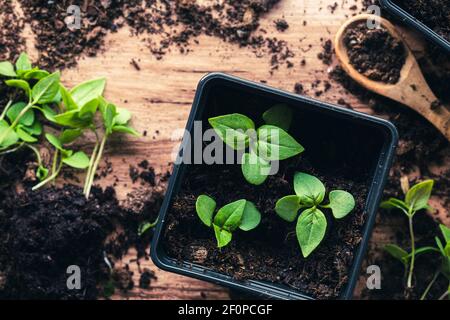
column 416, row 199
column 240, row 214
column 443, row 249
column 268, row 143
column 73, row 112
column 312, row 223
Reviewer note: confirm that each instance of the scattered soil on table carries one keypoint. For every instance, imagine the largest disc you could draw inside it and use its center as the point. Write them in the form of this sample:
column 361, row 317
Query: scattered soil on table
column 11, row 41
column 164, row 24
column 433, row 13
column 375, row 53
column 187, row 239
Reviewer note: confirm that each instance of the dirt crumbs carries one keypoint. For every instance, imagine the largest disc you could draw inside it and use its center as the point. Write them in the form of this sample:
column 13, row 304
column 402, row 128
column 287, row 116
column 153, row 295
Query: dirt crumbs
column 375, row 53
column 11, row 43
column 186, row 239
column 45, row 232
column 163, row 24
column 434, row 13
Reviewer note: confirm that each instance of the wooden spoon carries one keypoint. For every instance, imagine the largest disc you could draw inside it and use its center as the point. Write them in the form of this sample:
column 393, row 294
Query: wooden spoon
column 412, row 89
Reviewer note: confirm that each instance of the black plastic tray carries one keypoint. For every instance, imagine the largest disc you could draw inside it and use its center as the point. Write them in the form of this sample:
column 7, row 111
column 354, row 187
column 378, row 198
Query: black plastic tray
column 414, row 22
column 346, row 120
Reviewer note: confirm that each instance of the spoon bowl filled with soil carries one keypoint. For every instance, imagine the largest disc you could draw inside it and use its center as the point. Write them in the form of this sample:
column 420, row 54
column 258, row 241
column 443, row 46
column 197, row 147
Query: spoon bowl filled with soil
column 345, row 149
column 379, row 60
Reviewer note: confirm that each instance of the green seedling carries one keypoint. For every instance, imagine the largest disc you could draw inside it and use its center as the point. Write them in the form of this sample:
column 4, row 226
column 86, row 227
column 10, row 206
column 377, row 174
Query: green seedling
column 443, row 249
column 73, row 113
column 268, row 143
column 241, row 214
column 416, row 199
column 312, row 223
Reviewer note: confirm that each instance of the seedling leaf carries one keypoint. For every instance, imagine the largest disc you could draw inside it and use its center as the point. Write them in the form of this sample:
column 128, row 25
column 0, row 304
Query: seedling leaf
column 445, row 232
column 287, row 207
column 11, row 138
column 250, row 218
column 23, row 63
column 54, row 141
column 398, row 253
column 418, row 196
column 232, row 129
column 86, row 91
column 67, row 99
column 46, row 89
column 13, row 112
column 229, row 216
column 341, row 203
column 24, row 136
column 78, row 160
column 70, row 135
column 35, row 74
column 393, row 203
column 21, row 84
column 310, row 190
column 223, row 236
column 122, row 117
column 125, row 129
column 205, row 207
column 311, row 227
column 279, row 115
column 276, row 144
column 7, row 69
column 255, row 169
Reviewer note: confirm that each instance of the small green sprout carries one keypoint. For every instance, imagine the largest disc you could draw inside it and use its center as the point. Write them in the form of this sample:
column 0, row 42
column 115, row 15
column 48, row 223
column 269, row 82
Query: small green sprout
column 268, row 143
column 73, row 112
column 416, row 199
column 443, row 249
column 312, row 223
column 240, row 214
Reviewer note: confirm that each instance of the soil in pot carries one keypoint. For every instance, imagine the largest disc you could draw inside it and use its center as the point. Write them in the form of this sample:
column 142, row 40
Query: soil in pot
column 336, row 154
column 375, row 53
column 434, row 13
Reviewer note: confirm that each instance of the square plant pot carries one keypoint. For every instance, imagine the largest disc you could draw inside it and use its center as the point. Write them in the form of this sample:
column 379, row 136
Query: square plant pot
column 393, row 7
column 346, row 149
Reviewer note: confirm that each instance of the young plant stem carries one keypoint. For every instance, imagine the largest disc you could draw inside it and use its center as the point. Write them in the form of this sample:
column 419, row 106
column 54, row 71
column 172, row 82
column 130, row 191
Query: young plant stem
column 94, row 167
column 36, row 152
column 2, row 116
column 6, row 150
column 413, row 250
column 55, row 159
column 430, row 285
column 91, row 162
column 50, row 178
column 445, row 294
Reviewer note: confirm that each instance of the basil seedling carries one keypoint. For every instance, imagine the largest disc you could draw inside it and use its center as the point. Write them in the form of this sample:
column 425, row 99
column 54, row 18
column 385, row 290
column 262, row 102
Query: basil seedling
column 416, row 199
column 73, row 112
column 241, row 214
column 312, row 223
column 268, row 143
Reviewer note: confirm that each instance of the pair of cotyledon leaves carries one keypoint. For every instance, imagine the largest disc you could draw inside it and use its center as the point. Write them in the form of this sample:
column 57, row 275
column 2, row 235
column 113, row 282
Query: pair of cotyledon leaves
column 240, row 214
column 312, row 223
column 266, row 144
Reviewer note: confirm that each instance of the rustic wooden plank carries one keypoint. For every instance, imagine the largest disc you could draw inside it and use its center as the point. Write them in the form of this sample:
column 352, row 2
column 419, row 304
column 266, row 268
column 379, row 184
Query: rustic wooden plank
column 161, row 93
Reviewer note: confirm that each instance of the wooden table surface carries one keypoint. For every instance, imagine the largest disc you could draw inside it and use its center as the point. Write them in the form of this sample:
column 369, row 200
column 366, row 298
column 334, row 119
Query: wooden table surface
column 161, row 93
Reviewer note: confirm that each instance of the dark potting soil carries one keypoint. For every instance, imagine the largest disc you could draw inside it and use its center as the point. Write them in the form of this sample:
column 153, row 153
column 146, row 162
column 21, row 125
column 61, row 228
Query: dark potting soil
column 45, row 232
column 270, row 252
column 175, row 22
column 375, row 53
column 434, row 13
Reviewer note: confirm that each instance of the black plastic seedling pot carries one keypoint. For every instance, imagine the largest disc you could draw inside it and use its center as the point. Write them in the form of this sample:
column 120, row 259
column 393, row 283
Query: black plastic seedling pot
column 332, row 136
column 396, row 10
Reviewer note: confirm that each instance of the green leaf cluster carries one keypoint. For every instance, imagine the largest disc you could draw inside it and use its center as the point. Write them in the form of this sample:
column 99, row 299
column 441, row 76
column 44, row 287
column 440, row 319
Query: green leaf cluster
column 416, row 199
column 72, row 112
column 312, row 223
column 268, row 143
column 241, row 214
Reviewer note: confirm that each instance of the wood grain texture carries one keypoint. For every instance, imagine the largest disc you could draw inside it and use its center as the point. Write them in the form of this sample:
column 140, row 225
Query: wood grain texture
column 161, row 93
